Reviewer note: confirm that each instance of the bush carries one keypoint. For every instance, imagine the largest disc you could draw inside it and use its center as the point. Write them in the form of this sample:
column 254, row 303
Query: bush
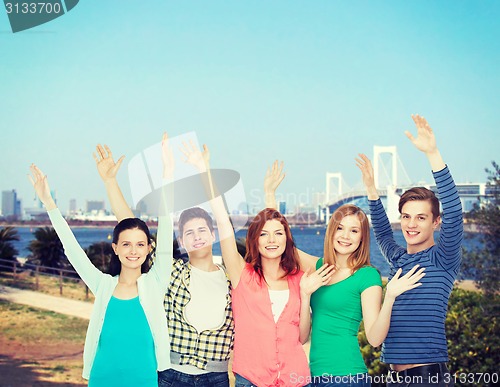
column 483, row 264
column 472, row 332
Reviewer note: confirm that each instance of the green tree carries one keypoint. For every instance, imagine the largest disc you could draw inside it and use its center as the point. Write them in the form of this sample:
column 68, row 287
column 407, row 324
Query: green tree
column 47, row 250
column 473, row 337
column 483, row 264
column 472, row 332
column 100, row 254
column 7, row 250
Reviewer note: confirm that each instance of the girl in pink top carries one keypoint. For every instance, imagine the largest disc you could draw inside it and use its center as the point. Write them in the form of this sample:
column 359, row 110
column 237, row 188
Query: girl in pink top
column 270, row 296
column 268, row 344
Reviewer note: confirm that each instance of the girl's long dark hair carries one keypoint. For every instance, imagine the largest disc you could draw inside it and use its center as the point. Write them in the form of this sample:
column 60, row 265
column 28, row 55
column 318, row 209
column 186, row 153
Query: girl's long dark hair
column 115, row 265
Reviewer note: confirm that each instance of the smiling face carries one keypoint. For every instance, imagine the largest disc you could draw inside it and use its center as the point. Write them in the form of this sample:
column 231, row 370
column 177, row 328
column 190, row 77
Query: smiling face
column 132, row 248
column 417, row 225
column 196, row 236
column 347, row 237
column 272, row 240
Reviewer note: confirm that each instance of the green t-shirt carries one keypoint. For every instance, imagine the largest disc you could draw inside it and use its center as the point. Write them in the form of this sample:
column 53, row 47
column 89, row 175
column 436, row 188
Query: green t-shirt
column 336, row 315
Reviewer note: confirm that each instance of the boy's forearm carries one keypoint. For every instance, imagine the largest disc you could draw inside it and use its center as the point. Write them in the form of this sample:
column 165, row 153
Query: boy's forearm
column 435, row 160
column 372, row 193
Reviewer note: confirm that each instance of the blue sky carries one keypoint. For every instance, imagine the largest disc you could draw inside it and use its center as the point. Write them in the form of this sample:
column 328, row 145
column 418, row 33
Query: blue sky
column 308, row 82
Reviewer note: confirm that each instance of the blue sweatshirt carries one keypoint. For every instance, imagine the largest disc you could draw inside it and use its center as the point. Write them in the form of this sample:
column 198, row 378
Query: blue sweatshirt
column 417, row 331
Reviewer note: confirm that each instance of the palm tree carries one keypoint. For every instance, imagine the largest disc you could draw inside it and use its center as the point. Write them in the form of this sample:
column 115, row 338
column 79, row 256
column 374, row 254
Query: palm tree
column 100, row 254
column 47, row 250
column 7, row 250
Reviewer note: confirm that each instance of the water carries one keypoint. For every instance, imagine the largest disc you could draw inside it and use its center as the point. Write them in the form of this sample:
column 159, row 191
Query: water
column 309, row 240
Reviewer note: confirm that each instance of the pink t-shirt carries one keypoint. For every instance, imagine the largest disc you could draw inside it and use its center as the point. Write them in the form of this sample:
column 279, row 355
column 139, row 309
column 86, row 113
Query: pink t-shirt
column 267, row 353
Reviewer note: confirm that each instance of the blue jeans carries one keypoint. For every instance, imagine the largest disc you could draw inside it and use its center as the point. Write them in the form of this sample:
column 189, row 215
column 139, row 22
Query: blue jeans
column 430, row 375
column 173, row 378
column 355, row 380
column 242, row 382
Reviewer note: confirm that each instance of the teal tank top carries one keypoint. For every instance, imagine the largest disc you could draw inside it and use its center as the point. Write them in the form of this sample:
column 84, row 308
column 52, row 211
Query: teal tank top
column 125, row 353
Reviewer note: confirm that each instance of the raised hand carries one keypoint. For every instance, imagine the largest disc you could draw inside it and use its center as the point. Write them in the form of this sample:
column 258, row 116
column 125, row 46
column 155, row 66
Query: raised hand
column 106, row 166
column 274, row 177
column 167, row 157
column 398, row 285
column 200, row 160
column 425, row 140
column 310, row 282
column 41, row 185
column 365, row 165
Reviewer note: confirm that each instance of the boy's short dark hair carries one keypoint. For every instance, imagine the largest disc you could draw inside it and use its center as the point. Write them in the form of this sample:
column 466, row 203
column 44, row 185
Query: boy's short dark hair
column 194, row 213
column 420, row 193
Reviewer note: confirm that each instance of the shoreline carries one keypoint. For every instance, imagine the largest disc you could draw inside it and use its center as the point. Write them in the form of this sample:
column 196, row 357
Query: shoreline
column 468, row 227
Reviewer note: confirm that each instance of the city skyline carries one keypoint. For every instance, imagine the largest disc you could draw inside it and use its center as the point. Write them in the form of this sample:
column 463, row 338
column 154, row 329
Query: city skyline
column 311, row 84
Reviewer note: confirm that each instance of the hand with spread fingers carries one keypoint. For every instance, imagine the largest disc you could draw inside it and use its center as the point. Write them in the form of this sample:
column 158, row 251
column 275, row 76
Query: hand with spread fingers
column 41, row 185
column 106, row 166
column 425, row 140
column 365, row 165
column 310, row 282
column 398, row 285
column 200, row 160
column 274, row 177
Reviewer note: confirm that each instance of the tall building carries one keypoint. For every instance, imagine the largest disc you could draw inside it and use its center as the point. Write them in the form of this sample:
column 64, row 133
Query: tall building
column 282, row 207
column 95, row 205
column 11, row 205
column 72, row 206
column 318, row 199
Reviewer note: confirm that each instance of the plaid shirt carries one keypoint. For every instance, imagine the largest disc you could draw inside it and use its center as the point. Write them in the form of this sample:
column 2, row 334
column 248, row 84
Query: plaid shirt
column 195, row 348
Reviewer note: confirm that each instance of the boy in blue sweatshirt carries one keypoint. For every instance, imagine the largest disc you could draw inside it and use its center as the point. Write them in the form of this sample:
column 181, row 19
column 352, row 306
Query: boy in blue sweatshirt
column 415, row 346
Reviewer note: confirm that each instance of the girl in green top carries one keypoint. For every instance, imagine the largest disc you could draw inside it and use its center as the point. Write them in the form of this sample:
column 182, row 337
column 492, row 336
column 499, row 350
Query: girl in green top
column 353, row 293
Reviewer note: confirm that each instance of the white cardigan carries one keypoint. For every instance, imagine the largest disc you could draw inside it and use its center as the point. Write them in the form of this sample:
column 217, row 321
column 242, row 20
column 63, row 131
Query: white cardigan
column 152, row 287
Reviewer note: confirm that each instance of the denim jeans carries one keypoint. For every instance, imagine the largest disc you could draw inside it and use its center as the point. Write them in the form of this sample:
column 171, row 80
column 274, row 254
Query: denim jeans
column 356, row 380
column 173, row 378
column 242, row 382
column 432, row 375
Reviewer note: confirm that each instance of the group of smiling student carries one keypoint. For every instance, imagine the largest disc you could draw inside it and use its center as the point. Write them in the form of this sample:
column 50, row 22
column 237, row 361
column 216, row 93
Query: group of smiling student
column 176, row 323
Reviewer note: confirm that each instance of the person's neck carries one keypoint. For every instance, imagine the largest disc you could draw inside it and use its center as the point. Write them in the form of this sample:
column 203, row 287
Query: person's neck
column 129, row 277
column 341, row 262
column 203, row 263
column 410, row 249
column 272, row 269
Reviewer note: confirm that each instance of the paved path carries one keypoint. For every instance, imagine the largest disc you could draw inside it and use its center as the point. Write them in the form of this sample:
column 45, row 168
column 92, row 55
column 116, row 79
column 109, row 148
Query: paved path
column 62, row 305
column 82, row 309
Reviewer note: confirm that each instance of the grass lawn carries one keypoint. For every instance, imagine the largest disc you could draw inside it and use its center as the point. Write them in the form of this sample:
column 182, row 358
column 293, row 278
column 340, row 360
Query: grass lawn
column 74, row 289
column 40, row 348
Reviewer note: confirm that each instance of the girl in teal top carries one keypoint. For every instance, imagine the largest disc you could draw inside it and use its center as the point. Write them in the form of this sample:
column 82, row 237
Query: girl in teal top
column 127, row 339
column 353, row 293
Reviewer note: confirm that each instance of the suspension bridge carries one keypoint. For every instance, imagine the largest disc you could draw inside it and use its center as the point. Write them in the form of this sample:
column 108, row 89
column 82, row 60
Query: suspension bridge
column 391, row 180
